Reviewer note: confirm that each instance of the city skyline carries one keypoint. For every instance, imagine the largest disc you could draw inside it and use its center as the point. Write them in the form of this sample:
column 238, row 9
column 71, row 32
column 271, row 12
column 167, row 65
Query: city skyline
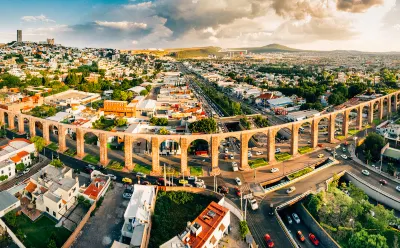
column 128, row 24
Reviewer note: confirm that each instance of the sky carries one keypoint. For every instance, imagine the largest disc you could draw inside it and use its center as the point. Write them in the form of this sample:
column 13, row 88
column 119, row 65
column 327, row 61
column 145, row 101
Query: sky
column 367, row 25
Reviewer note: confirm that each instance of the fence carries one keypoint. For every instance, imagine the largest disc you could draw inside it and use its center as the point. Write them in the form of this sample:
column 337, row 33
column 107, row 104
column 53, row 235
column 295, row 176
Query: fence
column 12, row 235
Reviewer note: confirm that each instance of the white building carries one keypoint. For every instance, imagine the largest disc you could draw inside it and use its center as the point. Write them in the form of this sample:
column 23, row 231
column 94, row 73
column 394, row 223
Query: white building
column 389, row 130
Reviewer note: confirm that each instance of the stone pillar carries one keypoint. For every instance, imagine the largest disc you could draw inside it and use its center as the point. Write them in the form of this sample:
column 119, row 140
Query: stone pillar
column 11, row 123
column 359, row 118
column 184, row 156
column 32, row 129
column 314, row 134
column 345, row 123
column 394, row 106
column 371, row 113
column 331, row 129
column 62, row 146
column 21, row 128
column 244, row 150
column 294, row 140
column 155, row 155
column 2, row 120
column 389, row 107
column 80, row 143
column 214, row 155
column 271, row 145
column 128, row 140
column 380, row 106
column 103, row 149
column 46, row 134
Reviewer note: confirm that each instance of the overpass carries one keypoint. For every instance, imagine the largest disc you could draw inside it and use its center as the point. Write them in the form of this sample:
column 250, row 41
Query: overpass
column 16, row 120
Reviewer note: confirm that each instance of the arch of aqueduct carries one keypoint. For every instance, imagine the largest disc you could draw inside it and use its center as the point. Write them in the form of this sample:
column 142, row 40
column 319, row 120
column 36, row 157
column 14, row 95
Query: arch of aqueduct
column 213, row 139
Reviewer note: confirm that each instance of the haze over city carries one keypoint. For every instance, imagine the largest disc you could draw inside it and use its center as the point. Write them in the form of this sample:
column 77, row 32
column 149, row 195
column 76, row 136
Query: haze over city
column 368, row 25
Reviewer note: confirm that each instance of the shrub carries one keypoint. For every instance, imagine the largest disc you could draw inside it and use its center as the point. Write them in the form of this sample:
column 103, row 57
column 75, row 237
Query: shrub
column 244, row 229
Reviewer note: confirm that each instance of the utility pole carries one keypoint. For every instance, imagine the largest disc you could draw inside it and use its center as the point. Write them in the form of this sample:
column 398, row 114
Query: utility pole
column 241, row 201
column 245, row 210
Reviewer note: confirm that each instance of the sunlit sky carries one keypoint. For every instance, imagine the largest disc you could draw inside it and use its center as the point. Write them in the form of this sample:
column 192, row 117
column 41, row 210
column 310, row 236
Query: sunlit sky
column 367, row 25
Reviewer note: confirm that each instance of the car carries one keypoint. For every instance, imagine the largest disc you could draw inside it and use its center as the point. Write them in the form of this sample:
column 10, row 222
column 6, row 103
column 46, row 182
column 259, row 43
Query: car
column 19, row 174
column 277, row 150
column 296, row 218
column 289, row 220
column 226, row 150
column 238, row 181
column 27, row 170
column 91, row 167
column 301, row 236
column 127, row 180
column 365, row 172
column 141, row 175
column 112, row 177
column 199, row 181
column 200, row 185
column 191, row 178
column 321, row 155
column 343, row 156
column 253, row 204
column 273, row 170
column 290, row 190
column 222, row 189
column 237, row 191
column 269, row 241
column 231, row 156
column 313, row 239
column 398, row 188
column 235, row 166
column 127, row 195
column 344, row 149
column 383, row 182
column 259, row 152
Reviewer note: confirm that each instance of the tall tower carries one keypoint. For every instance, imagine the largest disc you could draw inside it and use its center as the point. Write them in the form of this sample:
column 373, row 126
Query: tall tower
column 19, row 35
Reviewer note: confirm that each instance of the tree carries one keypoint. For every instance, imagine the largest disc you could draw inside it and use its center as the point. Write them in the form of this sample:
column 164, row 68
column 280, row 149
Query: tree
column 11, row 218
column 244, row 229
column 57, row 163
column 374, row 144
column 144, row 93
column 39, row 142
column 163, row 131
column 158, row 121
column 3, row 177
column 314, row 205
column 368, row 156
column 148, row 88
column 52, row 244
column 20, row 167
column 207, row 125
column 119, row 122
column 362, row 239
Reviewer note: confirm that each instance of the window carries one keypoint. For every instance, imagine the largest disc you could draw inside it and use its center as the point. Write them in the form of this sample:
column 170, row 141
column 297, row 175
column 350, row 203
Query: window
column 54, row 214
column 2, row 172
column 59, row 205
column 73, row 190
column 9, row 174
column 47, row 209
column 9, row 168
column 69, row 194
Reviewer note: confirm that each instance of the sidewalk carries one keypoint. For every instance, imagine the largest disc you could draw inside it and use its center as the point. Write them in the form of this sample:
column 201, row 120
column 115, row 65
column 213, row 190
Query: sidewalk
column 358, row 161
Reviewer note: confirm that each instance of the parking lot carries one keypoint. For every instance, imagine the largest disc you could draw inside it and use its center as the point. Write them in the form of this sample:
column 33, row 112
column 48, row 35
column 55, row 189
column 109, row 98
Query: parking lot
column 105, row 226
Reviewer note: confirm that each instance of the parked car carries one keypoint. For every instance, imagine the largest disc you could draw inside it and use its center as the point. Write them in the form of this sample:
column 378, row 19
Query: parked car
column 273, row 170
column 383, row 182
column 232, row 157
column 365, row 172
column 127, row 180
column 290, row 190
column 238, row 192
column 321, row 155
column 296, row 218
column 259, row 153
column 253, row 204
column 289, row 220
column 277, row 150
column 199, row 181
column 269, row 241
column 127, row 195
column 235, row 166
column 343, row 156
column 226, row 150
column 238, row 181
column 301, row 236
column 344, row 149
column 91, row 167
column 112, row 177
column 249, row 155
column 313, row 239
column 141, row 175
column 27, row 170
column 398, row 188
column 223, row 189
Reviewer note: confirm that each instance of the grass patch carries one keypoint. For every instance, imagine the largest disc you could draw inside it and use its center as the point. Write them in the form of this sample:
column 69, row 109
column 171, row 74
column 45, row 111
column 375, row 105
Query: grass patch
column 91, row 159
column 146, row 169
column 196, row 171
column 280, row 157
column 305, row 149
column 114, row 165
column 259, row 162
column 353, row 132
column 172, row 212
column 39, row 233
column 70, row 152
column 376, row 122
column 300, row 173
column 53, row 146
column 340, row 137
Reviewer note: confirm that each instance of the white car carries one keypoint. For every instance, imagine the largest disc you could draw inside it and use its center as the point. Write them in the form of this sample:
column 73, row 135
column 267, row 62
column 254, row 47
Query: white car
column 290, row 190
column 249, row 154
column 226, row 150
column 235, row 166
column 26, row 170
column 365, row 172
column 253, row 204
column 343, row 156
column 328, row 149
column 273, row 170
column 344, row 149
column 201, row 181
column 238, row 181
column 398, row 188
column 127, row 195
column 277, row 150
column 141, row 174
column 259, row 153
column 232, row 157
column 191, row 178
column 289, row 220
column 296, row 218
column 112, row 177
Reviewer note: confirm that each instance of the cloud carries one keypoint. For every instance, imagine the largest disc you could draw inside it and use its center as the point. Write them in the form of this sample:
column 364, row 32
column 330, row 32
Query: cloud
column 124, row 25
column 357, row 6
column 41, row 18
column 143, row 5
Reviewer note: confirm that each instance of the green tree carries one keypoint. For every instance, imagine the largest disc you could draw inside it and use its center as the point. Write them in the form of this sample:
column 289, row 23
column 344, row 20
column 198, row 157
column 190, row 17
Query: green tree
column 148, row 88
column 11, row 218
column 362, row 239
column 374, row 144
column 144, row 93
column 3, row 177
column 57, row 163
column 39, row 142
column 163, row 131
column 207, row 125
column 119, row 122
column 368, row 156
column 314, row 205
column 20, row 167
column 244, row 229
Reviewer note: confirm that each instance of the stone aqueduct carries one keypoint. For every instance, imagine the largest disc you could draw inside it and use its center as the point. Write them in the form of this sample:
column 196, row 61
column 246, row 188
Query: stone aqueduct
column 212, row 139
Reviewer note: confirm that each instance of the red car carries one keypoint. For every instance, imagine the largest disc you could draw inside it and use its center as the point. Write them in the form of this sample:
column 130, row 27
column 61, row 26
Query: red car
column 313, row 239
column 301, row 236
column 237, row 191
column 383, row 182
column 269, row 241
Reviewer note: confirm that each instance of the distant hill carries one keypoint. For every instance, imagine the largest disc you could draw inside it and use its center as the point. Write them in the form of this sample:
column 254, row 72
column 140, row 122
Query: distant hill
column 271, row 48
column 195, row 52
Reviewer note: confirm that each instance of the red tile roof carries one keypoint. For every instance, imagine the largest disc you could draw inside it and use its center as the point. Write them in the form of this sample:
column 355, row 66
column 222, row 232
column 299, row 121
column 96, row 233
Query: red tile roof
column 22, row 154
column 15, row 159
column 30, row 187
